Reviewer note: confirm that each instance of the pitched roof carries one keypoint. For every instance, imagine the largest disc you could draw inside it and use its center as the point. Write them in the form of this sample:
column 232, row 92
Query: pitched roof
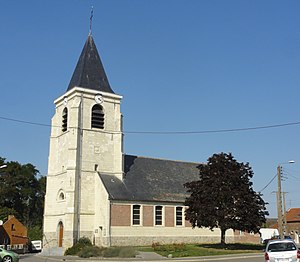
column 293, row 215
column 89, row 72
column 149, row 179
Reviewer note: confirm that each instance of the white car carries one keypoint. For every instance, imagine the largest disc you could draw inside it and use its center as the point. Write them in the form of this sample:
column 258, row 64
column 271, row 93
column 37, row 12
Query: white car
column 282, row 250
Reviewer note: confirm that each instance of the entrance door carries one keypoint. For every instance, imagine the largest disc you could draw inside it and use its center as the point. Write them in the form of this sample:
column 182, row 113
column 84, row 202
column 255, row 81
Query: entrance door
column 60, row 233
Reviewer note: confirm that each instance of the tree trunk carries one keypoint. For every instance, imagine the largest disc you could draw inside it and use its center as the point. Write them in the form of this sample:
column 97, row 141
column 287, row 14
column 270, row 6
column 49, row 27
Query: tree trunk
column 223, row 231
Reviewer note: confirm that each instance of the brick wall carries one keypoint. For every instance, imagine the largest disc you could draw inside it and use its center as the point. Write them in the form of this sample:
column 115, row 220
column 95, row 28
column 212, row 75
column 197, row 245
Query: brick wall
column 123, row 233
column 293, row 227
column 169, row 217
column 148, row 216
column 120, row 215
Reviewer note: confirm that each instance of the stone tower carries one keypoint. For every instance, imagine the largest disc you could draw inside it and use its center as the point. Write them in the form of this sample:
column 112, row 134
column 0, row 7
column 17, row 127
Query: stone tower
column 86, row 140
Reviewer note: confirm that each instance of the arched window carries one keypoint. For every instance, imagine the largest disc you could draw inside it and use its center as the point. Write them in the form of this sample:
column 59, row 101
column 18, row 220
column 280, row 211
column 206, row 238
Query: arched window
column 64, row 126
column 97, row 117
column 61, row 196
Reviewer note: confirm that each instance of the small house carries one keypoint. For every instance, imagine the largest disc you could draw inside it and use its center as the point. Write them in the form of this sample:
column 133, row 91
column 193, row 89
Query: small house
column 13, row 232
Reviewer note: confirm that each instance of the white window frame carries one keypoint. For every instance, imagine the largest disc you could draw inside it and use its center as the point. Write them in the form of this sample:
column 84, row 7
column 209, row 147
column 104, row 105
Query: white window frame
column 140, row 215
column 182, row 216
column 162, row 216
column 59, row 194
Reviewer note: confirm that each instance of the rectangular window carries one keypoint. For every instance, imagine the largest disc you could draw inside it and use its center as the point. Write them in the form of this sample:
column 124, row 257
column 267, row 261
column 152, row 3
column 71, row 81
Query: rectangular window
column 179, row 216
column 158, row 215
column 136, row 214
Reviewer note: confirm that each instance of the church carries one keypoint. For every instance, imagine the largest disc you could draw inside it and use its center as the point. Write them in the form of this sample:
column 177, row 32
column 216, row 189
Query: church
column 95, row 190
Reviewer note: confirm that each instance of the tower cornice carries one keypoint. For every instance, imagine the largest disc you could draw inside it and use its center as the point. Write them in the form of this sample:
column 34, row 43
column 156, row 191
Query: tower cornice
column 92, row 92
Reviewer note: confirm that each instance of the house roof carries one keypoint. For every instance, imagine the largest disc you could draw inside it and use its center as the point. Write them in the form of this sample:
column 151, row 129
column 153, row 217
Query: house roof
column 149, row 179
column 89, row 72
column 293, row 215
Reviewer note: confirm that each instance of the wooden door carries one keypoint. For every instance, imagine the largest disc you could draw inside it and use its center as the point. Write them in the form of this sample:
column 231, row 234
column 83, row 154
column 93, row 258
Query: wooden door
column 60, row 233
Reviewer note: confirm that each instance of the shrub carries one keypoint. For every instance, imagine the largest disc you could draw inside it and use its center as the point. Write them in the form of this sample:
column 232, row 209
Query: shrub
column 75, row 249
column 90, row 251
column 179, row 247
column 156, row 246
column 85, row 241
column 111, row 252
column 127, row 252
column 35, row 233
column 84, row 248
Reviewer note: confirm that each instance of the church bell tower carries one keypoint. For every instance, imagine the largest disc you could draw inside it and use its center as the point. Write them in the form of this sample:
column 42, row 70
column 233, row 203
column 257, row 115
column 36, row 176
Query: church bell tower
column 86, row 140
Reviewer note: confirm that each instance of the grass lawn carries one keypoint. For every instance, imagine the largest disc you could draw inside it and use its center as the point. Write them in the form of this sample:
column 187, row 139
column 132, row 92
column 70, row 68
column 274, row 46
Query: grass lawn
column 188, row 250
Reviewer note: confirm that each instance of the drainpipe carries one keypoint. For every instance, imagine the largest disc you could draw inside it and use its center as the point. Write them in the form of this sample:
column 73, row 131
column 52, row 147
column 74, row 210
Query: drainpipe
column 109, row 225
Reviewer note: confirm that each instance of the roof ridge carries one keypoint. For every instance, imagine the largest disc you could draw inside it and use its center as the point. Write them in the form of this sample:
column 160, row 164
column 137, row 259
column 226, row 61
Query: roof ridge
column 164, row 159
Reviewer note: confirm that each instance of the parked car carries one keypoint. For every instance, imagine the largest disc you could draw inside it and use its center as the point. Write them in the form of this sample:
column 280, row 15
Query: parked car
column 282, row 250
column 8, row 256
column 35, row 246
column 265, row 242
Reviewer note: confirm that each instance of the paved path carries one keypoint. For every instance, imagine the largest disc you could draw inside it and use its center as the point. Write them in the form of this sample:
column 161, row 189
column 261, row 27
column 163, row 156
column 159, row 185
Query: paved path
column 152, row 256
column 142, row 256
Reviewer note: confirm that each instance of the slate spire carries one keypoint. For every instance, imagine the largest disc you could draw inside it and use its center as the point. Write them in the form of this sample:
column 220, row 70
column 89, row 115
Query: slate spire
column 89, row 72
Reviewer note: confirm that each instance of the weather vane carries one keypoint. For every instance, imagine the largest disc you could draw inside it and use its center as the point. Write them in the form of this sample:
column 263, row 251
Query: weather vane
column 91, row 19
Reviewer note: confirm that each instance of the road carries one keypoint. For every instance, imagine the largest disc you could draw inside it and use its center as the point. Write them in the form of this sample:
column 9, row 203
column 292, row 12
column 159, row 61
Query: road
column 235, row 258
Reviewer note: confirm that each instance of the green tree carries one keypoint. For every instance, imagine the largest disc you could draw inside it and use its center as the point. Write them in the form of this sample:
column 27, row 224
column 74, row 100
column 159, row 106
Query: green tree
column 35, row 233
column 5, row 212
column 22, row 193
column 2, row 161
column 223, row 197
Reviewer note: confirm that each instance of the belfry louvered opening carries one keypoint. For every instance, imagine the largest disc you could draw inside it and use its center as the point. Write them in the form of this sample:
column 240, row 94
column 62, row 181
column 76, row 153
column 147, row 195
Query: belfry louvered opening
column 64, row 126
column 97, row 117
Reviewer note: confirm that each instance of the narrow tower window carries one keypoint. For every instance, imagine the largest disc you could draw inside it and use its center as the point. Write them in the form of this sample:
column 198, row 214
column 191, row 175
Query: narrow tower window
column 61, row 196
column 65, row 120
column 97, row 117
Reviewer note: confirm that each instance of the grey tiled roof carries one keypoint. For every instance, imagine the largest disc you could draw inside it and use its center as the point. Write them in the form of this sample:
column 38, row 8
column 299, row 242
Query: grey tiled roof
column 89, row 72
column 149, row 179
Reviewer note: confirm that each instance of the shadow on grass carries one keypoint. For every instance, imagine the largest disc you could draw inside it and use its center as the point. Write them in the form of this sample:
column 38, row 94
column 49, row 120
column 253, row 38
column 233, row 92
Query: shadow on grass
column 236, row 246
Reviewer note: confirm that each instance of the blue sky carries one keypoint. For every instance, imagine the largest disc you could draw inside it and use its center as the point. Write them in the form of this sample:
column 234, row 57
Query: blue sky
column 179, row 65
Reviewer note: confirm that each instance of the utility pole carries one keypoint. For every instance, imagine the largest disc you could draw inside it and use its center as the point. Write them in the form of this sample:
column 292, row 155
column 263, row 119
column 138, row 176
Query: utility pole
column 281, row 218
column 279, row 203
column 284, row 214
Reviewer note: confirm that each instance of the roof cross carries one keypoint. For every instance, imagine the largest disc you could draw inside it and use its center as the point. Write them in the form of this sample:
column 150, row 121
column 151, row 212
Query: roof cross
column 91, row 19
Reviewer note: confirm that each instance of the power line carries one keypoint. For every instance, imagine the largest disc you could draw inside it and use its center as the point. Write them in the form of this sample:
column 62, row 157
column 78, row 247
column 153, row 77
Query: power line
column 173, row 132
column 213, row 131
column 268, row 184
column 23, row 122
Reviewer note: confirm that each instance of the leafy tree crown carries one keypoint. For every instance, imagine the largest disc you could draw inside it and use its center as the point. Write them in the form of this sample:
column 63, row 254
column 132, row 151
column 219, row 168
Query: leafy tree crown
column 223, row 196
